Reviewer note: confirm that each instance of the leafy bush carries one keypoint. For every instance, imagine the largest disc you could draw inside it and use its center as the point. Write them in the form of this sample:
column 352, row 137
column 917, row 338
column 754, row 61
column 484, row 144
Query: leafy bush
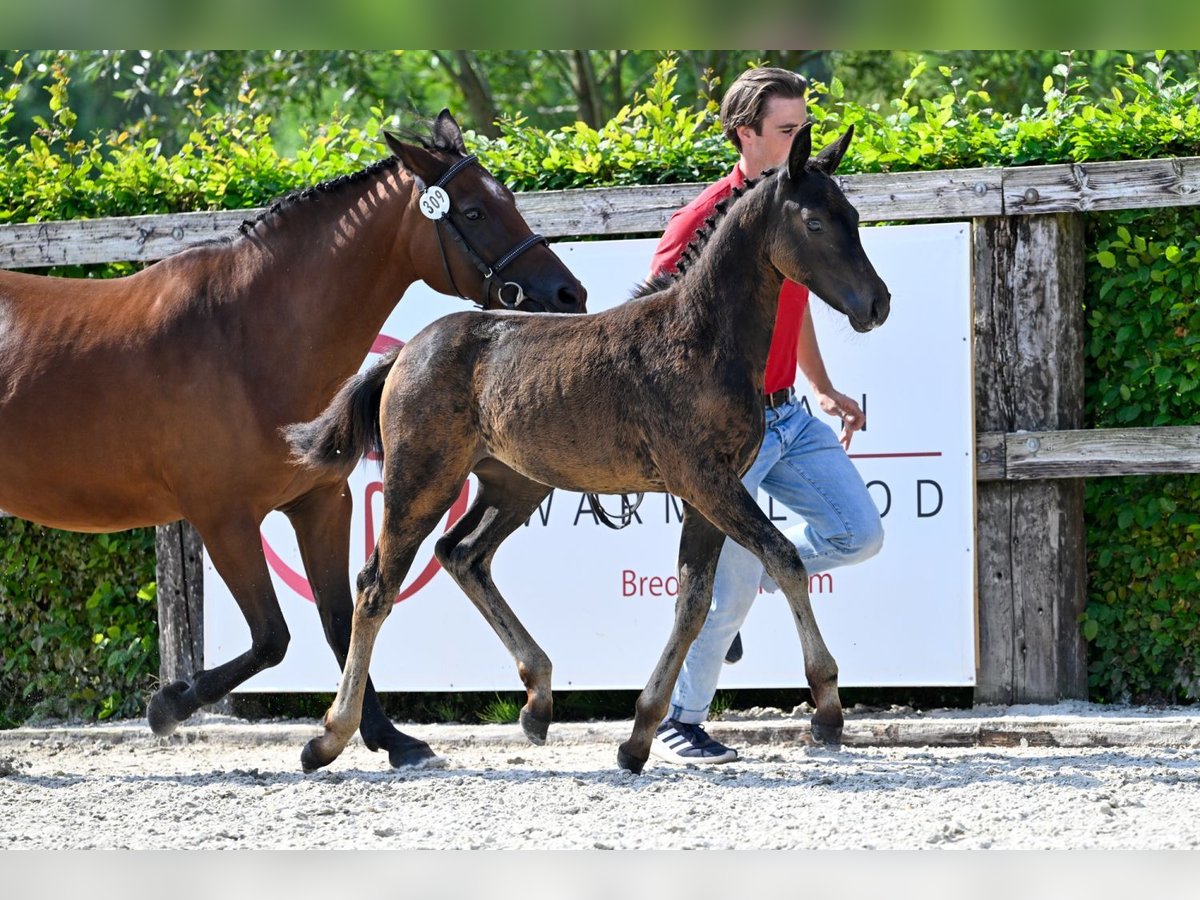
column 76, row 622
column 1143, row 616
column 77, row 631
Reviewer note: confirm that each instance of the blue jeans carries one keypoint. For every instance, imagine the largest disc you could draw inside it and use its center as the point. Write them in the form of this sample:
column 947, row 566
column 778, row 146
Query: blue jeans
column 802, row 465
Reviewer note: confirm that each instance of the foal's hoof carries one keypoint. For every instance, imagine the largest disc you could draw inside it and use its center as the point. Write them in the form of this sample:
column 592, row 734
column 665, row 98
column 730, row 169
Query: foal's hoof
column 829, row 735
column 312, row 759
column 417, row 755
column 167, row 709
column 629, row 762
column 535, row 729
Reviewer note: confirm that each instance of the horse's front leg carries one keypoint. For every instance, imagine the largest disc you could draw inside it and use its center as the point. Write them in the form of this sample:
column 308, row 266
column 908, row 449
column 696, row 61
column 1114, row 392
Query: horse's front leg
column 235, row 548
column 505, row 501
column 699, row 550
column 322, row 522
column 729, row 505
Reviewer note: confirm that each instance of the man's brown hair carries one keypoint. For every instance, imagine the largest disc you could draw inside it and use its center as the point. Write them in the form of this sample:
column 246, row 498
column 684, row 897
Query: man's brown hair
column 745, row 102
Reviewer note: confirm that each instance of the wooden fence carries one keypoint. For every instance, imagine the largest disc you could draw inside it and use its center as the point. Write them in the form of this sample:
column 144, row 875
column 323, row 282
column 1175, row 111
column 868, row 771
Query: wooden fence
column 1028, row 290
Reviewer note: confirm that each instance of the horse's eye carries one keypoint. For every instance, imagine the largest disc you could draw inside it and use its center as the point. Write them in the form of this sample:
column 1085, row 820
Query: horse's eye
column 814, row 224
column 474, row 215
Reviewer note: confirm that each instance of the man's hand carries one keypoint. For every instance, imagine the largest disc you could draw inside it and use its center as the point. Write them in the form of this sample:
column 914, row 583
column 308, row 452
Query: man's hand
column 834, row 403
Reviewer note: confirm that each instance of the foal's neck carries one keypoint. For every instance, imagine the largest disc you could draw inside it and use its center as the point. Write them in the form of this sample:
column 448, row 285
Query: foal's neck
column 732, row 287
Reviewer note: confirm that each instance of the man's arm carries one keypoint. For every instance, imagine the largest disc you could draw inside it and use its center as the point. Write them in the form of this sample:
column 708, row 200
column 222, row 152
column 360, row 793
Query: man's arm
column 832, row 402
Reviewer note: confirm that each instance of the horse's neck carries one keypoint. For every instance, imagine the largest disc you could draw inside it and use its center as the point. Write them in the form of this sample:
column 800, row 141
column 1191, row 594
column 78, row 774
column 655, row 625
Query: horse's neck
column 328, row 271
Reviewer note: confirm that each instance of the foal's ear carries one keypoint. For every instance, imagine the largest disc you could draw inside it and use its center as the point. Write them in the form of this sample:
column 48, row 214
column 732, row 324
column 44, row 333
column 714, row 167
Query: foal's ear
column 827, row 160
column 447, row 133
column 417, row 160
column 800, row 152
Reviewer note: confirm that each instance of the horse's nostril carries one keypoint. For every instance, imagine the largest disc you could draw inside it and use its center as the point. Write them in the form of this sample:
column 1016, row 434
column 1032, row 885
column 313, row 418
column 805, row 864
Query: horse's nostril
column 569, row 296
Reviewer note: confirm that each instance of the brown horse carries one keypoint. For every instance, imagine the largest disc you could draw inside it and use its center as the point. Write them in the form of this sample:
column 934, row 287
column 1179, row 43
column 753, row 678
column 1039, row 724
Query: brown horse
column 664, row 393
column 138, row 401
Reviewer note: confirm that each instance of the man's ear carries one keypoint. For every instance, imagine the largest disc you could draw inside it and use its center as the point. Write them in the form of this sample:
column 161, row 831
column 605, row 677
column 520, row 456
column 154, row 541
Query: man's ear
column 800, row 152
column 827, row 160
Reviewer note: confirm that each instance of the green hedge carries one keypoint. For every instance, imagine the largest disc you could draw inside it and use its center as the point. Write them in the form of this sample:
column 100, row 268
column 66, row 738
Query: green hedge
column 77, row 630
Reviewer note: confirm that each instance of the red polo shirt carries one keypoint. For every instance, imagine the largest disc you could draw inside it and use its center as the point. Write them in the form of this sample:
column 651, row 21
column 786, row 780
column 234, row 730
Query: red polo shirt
column 793, row 298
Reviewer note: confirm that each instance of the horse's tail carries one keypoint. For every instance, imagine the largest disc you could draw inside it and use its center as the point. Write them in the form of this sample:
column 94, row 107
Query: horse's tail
column 348, row 429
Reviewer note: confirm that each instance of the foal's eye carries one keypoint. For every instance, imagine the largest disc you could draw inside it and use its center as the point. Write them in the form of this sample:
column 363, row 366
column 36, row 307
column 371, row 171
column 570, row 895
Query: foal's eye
column 814, row 224
column 474, row 215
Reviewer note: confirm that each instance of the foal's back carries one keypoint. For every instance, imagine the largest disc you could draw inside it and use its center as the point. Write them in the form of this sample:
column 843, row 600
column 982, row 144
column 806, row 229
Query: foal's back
column 598, row 402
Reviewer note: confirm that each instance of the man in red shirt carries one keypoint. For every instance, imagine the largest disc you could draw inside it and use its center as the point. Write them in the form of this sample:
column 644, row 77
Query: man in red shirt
column 801, row 463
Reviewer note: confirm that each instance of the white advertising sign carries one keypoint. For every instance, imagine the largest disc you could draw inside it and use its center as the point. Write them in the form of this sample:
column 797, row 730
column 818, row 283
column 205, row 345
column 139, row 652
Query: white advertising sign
column 600, row 602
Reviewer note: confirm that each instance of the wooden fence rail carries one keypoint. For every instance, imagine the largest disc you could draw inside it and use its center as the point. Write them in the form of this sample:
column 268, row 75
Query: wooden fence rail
column 619, row 211
column 1027, row 287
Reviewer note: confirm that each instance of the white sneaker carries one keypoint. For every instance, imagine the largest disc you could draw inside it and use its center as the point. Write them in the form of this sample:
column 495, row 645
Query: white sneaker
column 682, row 742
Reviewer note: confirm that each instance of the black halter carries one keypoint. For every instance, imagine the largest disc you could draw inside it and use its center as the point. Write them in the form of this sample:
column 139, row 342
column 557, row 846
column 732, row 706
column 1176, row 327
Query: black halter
column 490, row 273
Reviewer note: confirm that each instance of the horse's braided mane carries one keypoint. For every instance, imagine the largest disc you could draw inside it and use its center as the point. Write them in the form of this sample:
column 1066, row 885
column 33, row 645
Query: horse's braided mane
column 334, row 185
column 692, row 252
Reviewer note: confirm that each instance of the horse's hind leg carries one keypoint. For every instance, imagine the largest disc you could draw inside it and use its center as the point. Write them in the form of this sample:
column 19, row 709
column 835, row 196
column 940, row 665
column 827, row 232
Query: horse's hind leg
column 411, row 510
column 731, row 508
column 322, row 522
column 505, row 501
column 235, row 548
column 699, row 549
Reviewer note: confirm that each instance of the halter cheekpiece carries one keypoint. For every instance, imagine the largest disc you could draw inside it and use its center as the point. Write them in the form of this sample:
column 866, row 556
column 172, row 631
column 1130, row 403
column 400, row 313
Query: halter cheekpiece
column 511, row 294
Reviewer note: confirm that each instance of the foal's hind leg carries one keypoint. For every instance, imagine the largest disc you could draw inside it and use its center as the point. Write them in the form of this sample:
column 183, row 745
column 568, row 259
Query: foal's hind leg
column 505, row 500
column 410, row 512
column 235, row 548
column 322, row 522
column 731, row 508
column 699, row 550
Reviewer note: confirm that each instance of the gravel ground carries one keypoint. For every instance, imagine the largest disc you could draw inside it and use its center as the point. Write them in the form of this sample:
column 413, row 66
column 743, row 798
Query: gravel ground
column 224, row 783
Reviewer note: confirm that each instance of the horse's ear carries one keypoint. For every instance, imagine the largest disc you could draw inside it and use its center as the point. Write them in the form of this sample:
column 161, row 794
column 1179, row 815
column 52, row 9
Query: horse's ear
column 447, row 133
column 417, row 160
column 827, row 160
column 800, row 152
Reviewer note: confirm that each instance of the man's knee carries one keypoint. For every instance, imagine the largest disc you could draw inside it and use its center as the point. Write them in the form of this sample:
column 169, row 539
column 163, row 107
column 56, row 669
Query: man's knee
column 862, row 543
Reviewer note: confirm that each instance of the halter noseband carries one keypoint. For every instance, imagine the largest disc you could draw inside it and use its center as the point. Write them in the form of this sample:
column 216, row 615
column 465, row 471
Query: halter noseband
column 490, row 273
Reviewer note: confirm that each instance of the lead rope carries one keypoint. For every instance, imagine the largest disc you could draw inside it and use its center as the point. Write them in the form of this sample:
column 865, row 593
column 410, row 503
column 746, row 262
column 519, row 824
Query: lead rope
column 628, row 510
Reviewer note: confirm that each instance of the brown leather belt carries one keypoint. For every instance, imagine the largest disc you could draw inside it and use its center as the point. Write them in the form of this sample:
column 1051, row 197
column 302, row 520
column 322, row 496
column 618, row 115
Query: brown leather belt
column 780, row 397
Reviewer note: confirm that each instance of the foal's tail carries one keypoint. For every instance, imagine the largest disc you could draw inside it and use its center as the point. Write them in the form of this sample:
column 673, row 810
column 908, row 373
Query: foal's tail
column 348, row 429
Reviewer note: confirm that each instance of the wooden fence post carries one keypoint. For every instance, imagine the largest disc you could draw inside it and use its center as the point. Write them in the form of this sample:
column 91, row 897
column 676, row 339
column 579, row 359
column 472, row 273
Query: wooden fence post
column 1028, row 288
column 180, row 601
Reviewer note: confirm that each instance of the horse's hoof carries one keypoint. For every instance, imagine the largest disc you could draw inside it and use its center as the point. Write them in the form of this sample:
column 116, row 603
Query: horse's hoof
column 310, row 759
column 165, row 711
column 535, row 729
column 629, row 762
column 417, row 755
column 829, row 735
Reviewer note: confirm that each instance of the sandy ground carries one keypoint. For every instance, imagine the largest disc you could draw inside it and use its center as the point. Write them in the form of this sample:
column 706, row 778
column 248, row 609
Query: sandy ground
column 1086, row 778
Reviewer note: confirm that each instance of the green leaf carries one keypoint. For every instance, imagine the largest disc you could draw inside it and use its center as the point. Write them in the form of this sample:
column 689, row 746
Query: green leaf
column 1106, row 259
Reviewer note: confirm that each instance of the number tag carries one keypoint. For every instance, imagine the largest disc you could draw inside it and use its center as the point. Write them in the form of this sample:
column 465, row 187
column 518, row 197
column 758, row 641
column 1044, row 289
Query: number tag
column 435, row 203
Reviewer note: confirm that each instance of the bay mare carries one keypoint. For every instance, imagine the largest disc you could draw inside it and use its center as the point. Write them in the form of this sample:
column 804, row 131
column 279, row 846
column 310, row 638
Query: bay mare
column 663, row 393
column 142, row 400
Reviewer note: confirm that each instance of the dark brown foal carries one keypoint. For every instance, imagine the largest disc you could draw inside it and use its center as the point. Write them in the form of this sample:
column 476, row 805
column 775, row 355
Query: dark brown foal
column 675, row 376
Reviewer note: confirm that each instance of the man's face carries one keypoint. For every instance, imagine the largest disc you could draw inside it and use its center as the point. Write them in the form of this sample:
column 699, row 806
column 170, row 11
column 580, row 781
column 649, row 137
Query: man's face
column 769, row 149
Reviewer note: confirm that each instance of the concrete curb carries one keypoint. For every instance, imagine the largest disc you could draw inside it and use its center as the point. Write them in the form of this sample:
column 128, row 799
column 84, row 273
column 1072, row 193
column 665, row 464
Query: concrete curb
column 1001, row 728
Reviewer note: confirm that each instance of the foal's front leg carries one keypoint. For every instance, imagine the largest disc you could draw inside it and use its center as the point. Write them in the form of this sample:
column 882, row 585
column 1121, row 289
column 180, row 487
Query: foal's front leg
column 699, row 550
column 729, row 505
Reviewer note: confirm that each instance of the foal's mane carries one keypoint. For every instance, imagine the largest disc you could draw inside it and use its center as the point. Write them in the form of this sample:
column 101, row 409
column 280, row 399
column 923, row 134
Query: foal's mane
column 335, row 185
column 699, row 241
